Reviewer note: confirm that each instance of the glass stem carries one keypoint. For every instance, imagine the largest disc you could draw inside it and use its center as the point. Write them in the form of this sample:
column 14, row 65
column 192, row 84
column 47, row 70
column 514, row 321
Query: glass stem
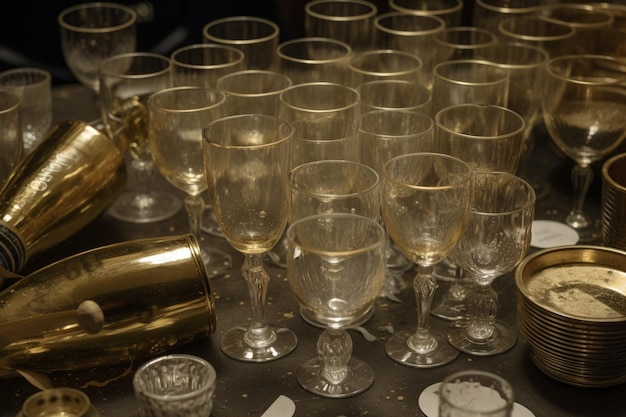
column 482, row 308
column 259, row 334
column 142, row 175
column 424, row 285
column 194, row 204
column 582, row 176
column 334, row 349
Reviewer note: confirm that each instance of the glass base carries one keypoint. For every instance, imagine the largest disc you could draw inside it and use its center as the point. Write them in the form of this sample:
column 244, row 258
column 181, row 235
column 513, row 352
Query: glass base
column 398, row 349
column 217, row 262
column 307, row 317
column 234, row 346
column 503, row 339
column 360, row 377
column 150, row 207
column 209, row 224
column 449, row 300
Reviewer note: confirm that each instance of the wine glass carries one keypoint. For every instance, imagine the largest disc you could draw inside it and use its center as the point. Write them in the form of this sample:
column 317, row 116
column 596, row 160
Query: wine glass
column 329, row 256
column 583, row 110
column 247, row 167
column 333, row 186
column 126, row 82
column 488, row 138
column 426, row 202
column 497, row 238
column 177, row 116
column 93, row 32
column 382, row 135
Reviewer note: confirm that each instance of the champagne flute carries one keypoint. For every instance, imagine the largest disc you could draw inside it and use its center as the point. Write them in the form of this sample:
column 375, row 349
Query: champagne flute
column 247, row 166
column 330, row 255
column 177, row 116
column 126, row 82
column 496, row 239
column 426, row 202
column 93, row 32
column 333, row 186
column 583, row 110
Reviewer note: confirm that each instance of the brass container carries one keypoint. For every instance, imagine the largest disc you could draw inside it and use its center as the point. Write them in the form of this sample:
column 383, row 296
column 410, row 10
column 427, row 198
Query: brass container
column 613, row 202
column 61, row 186
column 106, row 306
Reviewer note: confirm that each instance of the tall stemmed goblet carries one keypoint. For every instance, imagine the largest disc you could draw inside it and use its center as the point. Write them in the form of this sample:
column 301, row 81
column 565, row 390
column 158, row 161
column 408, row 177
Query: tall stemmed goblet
column 496, row 239
column 426, row 202
column 93, row 32
column 126, row 82
column 177, row 116
column 333, row 186
column 331, row 255
column 247, row 166
column 382, row 135
column 583, row 109
column 488, row 138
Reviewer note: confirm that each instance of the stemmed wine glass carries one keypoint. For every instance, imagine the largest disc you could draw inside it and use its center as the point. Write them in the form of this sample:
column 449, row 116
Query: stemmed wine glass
column 583, row 110
column 247, row 167
column 177, row 116
column 426, row 202
column 333, row 186
column 496, row 239
column 93, row 32
column 126, row 82
column 336, row 268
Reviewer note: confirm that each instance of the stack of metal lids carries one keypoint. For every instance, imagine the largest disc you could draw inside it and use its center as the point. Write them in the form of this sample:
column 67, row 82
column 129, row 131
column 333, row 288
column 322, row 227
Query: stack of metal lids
column 571, row 309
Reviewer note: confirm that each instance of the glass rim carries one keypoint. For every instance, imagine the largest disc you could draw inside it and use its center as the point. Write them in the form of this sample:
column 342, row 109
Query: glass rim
column 577, row 6
column 523, row 206
column 540, row 57
column 207, row 135
column 342, row 87
column 177, row 91
column 399, row 53
column 314, row 39
column 381, row 240
column 500, row 109
column 509, row 10
column 505, row 76
column 568, row 31
column 240, row 56
column 364, row 169
column 174, row 397
column 610, row 61
column 13, row 104
column 132, row 18
column 508, row 401
column 275, row 30
column 347, row 123
column 427, row 12
column 440, row 27
column 461, row 177
column 43, row 75
column 406, row 135
column 336, row 18
column 252, row 73
column 492, row 38
column 607, row 167
column 167, row 65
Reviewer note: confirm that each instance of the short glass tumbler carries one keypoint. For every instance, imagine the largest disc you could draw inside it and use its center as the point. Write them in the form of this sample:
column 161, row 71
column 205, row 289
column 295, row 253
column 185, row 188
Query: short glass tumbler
column 175, row 385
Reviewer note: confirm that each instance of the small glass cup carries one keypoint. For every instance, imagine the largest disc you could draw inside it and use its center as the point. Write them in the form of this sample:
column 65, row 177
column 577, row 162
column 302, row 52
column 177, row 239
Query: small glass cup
column 10, row 133
column 67, row 402
column 33, row 87
column 175, row 385
column 476, row 394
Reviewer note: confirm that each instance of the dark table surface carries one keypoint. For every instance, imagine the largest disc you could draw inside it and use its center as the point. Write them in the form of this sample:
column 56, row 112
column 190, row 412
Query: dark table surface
column 247, row 389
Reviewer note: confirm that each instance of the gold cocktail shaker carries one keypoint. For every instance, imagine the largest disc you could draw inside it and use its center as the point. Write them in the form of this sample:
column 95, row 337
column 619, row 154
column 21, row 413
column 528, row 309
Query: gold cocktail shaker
column 75, row 174
column 106, row 306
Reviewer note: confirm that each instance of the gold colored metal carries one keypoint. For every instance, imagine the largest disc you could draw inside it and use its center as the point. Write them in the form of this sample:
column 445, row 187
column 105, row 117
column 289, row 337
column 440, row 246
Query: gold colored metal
column 109, row 305
column 60, row 187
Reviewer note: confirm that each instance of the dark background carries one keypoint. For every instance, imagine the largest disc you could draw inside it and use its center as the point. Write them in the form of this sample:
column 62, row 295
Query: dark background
column 29, row 31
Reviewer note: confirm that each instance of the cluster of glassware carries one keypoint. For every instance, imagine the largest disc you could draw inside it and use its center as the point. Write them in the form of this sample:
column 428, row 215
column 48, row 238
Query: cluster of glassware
column 375, row 128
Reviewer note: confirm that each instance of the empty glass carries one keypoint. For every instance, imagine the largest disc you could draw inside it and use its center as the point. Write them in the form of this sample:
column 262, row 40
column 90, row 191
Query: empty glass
column 475, row 393
column 253, row 91
column 487, row 14
column 93, row 32
column 318, row 100
column 314, row 59
column 256, row 37
column 462, row 42
column 450, row 11
column 384, row 64
column 394, row 95
column 203, row 64
column 554, row 37
column 10, row 133
column 349, row 21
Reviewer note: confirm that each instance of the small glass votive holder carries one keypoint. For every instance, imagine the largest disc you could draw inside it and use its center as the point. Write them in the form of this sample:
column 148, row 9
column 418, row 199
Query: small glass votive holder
column 476, row 394
column 67, row 402
column 176, row 385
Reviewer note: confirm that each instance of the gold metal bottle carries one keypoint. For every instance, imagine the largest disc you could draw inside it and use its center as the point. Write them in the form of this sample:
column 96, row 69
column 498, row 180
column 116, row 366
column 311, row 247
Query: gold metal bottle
column 107, row 306
column 75, row 174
